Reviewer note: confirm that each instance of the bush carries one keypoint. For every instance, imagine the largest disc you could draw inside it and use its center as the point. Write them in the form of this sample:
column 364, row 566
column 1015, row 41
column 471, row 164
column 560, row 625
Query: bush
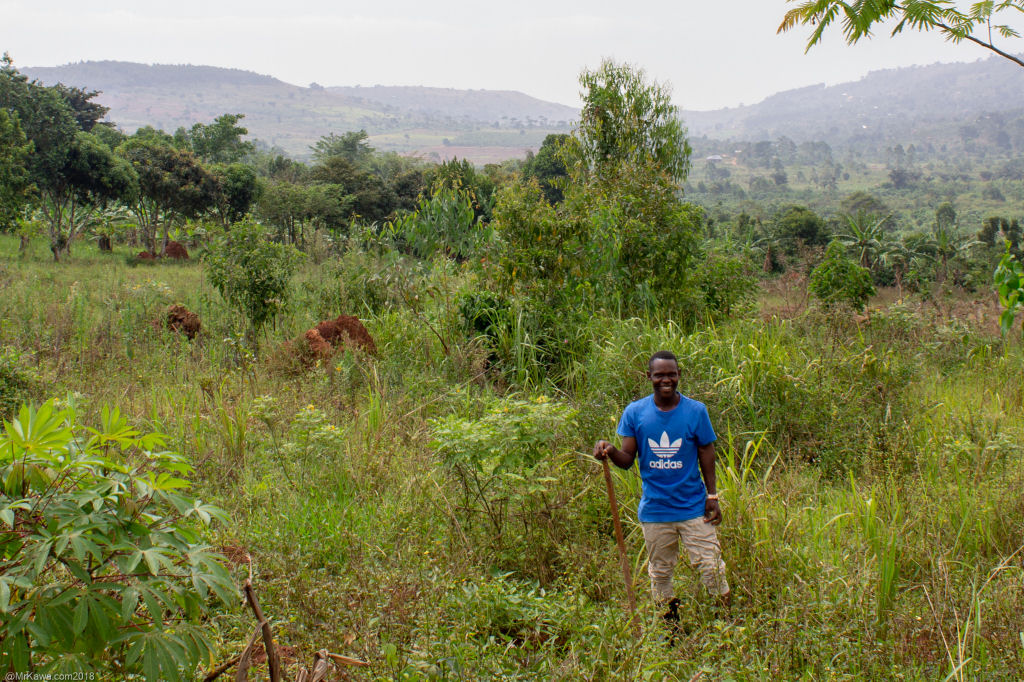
column 103, row 567
column 837, row 279
column 501, row 463
column 252, row 273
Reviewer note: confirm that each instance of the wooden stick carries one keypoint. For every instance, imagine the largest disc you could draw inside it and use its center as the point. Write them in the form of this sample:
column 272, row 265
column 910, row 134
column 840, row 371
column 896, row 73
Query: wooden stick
column 221, row 669
column 346, row 660
column 268, row 635
column 627, row 573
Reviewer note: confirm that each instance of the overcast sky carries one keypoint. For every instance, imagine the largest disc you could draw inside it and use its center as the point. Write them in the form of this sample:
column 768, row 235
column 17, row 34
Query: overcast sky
column 715, row 53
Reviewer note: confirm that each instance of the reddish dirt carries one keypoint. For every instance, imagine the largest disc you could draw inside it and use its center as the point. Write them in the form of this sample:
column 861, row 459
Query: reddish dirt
column 347, row 331
column 175, row 250
column 320, row 349
column 286, row 654
column 146, row 255
column 181, row 319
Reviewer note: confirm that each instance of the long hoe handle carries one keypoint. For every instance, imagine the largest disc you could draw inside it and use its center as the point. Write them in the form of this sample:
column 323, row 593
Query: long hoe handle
column 627, row 573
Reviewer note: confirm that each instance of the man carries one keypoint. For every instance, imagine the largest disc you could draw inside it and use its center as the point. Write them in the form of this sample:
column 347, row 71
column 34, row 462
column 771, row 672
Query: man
column 673, row 436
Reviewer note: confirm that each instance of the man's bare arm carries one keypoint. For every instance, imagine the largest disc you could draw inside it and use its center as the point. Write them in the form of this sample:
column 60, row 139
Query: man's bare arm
column 622, row 458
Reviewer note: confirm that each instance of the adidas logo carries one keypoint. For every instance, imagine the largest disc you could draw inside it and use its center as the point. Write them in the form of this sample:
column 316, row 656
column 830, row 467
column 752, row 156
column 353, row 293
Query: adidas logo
column 665, row 449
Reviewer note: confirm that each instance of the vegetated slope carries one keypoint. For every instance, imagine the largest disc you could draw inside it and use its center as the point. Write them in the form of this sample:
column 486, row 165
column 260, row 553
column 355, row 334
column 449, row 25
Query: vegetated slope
column 405, row 119
column 883, row 106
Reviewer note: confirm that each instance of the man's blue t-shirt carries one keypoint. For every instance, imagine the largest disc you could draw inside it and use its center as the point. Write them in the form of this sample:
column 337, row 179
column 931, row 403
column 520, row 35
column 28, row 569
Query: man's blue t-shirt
column 667, row 444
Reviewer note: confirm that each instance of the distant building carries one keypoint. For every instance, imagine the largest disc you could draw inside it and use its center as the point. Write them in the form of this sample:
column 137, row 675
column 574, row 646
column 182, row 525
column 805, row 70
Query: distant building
column 714, row 158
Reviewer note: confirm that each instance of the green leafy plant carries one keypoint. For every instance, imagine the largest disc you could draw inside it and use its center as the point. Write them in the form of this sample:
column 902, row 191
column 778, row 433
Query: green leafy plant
column 445, row 222
column 102, row 564
column 839, row 280
column 1009, row 282
column 502, row 464
column 252, row 273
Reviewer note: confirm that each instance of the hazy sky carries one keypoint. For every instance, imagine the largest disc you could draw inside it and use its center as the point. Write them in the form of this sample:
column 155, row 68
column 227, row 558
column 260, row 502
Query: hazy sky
column 715, row 53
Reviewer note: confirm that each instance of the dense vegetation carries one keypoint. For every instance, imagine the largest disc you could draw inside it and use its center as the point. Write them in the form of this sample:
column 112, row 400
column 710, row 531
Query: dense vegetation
column 432, row 508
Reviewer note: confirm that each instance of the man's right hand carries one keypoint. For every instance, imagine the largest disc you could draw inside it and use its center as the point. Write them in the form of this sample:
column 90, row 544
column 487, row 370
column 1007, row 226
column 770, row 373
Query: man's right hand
column 603, row 450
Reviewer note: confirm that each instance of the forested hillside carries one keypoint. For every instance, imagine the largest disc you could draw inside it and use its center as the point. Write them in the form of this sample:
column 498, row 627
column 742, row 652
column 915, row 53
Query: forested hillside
column 482, row 125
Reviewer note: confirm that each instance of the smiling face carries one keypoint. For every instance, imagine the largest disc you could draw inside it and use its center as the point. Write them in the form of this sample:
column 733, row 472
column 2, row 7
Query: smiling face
column 664, row 376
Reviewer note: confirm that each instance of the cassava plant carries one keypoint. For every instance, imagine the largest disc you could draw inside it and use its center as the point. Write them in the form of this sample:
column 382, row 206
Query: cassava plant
column 102, row 563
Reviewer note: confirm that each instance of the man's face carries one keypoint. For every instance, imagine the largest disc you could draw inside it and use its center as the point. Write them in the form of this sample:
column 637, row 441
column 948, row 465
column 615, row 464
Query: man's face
column 664, row 376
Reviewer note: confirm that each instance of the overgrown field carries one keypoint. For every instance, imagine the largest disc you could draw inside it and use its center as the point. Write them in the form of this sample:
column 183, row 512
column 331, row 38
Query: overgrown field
column 434, row 510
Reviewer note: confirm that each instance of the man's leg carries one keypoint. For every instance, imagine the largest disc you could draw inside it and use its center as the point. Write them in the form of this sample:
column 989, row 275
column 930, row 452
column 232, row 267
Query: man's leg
column 705, row 552
column 662, row 540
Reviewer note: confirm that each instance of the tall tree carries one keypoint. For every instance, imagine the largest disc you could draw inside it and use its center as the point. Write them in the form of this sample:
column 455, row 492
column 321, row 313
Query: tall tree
column 88, row 114
column 73, row 171
column 351, row 146
column 15, row 185
column 218, row 142
column 626, row 119
column 172, row 185
column 975, row 22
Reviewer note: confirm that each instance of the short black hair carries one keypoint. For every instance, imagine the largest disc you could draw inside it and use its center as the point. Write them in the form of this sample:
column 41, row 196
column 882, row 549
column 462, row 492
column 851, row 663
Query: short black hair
column 662, row 355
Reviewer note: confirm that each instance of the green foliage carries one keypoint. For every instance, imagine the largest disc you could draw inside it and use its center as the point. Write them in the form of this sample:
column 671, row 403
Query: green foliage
column 725, row 282
column 837, row 279
column 103, row 566
column 636, row 237
column 252, row 273
column 15, row 187
column 238, row 189
column 626, row 120
column 548, row 167
column 351, row 146
column 443, row 223
column 218, row 142
column 172, row 185
column 977, row 23
column 798, row 226
column 502, row 461
column 17, row 382
column 1009, row 282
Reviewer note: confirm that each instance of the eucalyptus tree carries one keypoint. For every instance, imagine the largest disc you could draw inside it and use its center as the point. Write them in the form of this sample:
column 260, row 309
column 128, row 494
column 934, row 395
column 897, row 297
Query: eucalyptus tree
column 628, row 120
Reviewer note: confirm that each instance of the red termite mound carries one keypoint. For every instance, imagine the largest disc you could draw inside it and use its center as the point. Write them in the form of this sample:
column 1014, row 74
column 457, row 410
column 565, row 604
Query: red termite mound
column 175, row 250
column 347, row 331
column 328, row 338
column 181, row 319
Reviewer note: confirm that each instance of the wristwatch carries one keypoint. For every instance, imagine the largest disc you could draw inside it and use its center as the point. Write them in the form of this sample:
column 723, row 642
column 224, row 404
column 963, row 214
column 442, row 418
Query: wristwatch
column 713, row 496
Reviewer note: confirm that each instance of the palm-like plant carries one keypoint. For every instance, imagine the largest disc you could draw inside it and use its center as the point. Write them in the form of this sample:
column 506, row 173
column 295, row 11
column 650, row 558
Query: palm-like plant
column 864, row 233
column 950, row 244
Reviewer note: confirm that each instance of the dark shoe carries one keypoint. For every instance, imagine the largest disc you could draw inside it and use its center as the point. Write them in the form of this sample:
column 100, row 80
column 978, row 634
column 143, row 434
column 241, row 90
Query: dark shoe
column 671, row 618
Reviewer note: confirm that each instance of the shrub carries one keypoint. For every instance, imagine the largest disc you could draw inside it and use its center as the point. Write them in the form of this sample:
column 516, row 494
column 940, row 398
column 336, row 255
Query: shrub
column 102, row 567
column 501, row 462
column 839, row 280
column 252, row 273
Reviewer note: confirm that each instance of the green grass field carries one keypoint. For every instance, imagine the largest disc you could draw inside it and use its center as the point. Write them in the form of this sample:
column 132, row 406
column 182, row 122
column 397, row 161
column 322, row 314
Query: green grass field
column 871, row 476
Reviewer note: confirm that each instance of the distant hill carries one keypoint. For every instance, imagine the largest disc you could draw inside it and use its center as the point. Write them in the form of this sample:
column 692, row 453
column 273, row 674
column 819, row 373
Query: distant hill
column 884, row 106
column 483, row 125
column 914, row 104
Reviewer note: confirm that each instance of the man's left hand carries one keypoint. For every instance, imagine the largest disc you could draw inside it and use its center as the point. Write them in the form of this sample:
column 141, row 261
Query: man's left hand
column 712, row 512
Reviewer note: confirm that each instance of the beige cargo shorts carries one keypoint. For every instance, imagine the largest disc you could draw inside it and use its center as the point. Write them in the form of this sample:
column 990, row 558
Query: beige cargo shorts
column 701, row 542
